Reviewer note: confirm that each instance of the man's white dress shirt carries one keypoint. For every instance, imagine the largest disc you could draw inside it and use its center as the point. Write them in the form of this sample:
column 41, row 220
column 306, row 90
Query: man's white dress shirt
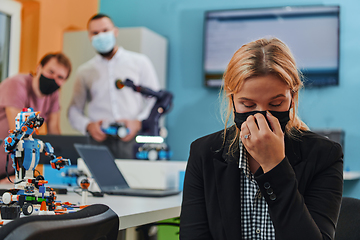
column 95, row 85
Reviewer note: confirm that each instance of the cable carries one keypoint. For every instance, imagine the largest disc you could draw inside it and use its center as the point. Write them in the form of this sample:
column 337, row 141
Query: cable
column 94, row 194
column 37, row 172
column 6, row 170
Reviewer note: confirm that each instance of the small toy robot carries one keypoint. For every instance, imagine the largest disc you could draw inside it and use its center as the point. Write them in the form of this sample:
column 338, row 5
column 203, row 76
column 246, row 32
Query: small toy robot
column 116, row 129
column 153, row 151
column 25, row 151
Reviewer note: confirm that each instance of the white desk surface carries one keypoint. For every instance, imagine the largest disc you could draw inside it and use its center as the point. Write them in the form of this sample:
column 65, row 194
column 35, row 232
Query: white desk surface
column 132, row 211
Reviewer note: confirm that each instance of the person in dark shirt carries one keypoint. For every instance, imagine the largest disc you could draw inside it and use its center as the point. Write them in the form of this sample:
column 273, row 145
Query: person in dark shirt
column 267, row 176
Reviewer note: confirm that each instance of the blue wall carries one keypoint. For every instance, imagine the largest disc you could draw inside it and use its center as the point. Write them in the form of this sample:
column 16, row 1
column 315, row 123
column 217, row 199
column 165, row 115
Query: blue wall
column 196, row 109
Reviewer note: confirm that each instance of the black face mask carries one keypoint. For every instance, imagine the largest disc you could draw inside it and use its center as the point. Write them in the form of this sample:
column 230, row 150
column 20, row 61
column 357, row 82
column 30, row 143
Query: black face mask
column 47, row 85
column 283, row 117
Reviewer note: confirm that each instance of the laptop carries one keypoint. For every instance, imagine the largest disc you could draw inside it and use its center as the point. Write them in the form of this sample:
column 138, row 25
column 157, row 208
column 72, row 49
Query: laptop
column 108, row 176
column 63, row 146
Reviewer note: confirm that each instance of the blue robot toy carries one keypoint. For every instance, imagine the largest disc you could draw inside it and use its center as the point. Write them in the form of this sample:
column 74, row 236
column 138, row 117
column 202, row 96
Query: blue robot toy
column 25, row 151
column 116, row 129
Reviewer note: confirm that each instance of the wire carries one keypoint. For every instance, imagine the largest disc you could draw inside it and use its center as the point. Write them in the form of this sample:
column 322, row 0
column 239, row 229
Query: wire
column 6, row 170
column 37, row 172
column 94, row 194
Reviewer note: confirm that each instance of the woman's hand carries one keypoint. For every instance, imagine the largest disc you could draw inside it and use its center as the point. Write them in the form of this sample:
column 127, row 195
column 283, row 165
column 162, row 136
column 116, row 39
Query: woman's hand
column 265, row 146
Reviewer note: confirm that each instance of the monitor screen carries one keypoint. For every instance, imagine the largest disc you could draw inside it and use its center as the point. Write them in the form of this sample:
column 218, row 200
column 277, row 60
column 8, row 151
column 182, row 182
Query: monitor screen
column 311, row 33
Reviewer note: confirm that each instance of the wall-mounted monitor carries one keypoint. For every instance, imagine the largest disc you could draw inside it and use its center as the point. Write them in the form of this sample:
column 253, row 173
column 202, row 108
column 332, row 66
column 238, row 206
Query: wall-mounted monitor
column 311, row 32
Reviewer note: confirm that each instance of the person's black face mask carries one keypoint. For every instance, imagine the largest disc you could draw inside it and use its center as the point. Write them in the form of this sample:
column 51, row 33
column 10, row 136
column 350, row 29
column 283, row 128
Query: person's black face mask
column 283, row 117
column 47, row 85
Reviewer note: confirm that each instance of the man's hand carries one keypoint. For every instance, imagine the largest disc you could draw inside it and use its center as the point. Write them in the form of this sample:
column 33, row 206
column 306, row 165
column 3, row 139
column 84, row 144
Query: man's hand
column 134, row 127
column 94, row 129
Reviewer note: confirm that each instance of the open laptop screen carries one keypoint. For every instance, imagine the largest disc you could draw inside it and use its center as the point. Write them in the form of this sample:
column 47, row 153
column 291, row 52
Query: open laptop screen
column 102, row 166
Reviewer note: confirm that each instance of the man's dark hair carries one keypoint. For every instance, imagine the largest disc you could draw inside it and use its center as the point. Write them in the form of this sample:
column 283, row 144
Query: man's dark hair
column 98, row 16
column 61, row 59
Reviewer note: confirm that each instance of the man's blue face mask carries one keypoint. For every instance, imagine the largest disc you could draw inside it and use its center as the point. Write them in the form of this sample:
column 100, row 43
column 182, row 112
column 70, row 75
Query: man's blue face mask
column 104, row 42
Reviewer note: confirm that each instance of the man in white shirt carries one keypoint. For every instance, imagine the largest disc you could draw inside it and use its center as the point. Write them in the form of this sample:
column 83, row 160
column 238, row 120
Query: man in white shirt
column 95, row 85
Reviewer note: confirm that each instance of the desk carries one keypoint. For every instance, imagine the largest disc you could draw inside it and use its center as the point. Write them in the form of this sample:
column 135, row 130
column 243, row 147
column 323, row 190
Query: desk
column 134, row 211
column 350, row 175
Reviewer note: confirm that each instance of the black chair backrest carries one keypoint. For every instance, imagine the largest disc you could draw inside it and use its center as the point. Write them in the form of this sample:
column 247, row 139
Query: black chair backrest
column 95, row 222
column 348, row 227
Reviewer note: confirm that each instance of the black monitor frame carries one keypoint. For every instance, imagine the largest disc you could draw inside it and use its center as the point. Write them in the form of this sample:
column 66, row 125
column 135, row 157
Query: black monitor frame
column 318, row 78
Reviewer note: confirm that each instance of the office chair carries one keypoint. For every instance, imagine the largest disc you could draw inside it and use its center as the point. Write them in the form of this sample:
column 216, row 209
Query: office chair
column 147, row 233
column 95, row 222
column 348, row 227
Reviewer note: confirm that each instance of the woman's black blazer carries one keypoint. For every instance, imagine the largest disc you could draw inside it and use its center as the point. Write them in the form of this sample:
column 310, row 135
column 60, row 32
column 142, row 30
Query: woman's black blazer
column 303, row 191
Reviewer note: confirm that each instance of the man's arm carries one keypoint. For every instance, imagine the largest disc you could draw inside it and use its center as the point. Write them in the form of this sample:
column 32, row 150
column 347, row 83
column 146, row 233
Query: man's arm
column 53, row 123
column 11, row 113
column 76, row 115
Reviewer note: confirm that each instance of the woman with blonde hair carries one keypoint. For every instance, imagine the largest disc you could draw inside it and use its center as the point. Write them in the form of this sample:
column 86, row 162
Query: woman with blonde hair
column 266, row 176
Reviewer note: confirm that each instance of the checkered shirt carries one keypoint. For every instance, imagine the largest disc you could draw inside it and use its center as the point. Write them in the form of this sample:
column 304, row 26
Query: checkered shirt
column 255, row 219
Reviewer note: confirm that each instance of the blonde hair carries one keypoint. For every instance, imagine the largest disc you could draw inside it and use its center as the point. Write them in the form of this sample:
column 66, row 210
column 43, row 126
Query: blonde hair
column 260, row 58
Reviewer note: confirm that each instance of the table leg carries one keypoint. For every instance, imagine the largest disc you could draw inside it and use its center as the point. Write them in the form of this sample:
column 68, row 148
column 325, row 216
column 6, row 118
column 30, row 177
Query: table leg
column 122, row 235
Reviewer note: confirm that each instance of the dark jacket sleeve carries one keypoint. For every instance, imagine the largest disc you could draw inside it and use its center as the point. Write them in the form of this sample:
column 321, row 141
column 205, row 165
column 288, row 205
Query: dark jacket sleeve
column 309, row 211
column 193, row 218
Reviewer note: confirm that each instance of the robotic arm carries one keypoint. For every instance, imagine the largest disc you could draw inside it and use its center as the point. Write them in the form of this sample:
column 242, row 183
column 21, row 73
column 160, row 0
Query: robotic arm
column 150, row 126
column 56, row 162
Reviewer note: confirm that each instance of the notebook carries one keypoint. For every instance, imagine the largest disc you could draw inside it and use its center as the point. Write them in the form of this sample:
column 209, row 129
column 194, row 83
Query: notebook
column 108, row 176
column 63, row 146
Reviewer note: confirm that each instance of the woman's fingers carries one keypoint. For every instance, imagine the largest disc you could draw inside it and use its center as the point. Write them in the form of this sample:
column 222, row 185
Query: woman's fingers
column 274, row 123
column 245, row 132
column 261, row 122
column 252, row 125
